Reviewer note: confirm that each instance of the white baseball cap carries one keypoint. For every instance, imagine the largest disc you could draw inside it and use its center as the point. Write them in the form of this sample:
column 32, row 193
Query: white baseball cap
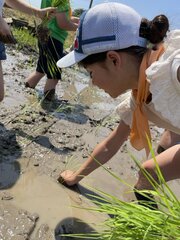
column 106, row 26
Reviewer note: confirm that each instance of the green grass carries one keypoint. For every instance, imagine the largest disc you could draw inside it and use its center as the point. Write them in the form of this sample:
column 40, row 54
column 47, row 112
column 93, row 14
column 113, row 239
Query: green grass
column 25, row 38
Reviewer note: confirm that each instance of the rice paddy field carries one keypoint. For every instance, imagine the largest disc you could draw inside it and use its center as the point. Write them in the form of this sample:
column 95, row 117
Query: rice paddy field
column 38, row 140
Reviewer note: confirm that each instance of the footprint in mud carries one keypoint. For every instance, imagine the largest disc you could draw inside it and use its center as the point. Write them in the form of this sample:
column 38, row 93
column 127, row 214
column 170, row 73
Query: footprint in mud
column 10, row 151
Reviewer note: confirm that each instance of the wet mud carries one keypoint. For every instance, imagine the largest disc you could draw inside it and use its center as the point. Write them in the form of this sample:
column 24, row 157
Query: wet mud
column 40, row 139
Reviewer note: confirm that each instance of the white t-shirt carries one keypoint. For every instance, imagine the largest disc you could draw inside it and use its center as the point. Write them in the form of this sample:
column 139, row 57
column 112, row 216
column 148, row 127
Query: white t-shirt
column 1, row 6
column 164, row 108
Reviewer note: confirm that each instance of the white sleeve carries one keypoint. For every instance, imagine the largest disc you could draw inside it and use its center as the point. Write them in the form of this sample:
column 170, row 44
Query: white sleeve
column 124, row 110
column 165, row 87
column 175, row 67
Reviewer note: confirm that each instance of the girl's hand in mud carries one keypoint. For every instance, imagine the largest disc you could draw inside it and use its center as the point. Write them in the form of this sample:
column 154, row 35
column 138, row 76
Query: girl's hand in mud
column 47, row 13
column 68, row 178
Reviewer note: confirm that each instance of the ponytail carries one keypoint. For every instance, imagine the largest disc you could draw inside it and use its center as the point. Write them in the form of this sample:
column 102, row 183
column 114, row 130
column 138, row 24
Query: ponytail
column 154, row 31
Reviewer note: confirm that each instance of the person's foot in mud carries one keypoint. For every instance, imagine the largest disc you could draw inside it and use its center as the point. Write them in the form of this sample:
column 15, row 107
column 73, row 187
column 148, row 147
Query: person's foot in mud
column 27, row 85
column 49, row 95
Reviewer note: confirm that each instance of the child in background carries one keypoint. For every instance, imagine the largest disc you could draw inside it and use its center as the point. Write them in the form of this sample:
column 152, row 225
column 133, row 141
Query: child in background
column 5, row 32
column 112, row 45
column 51, row 51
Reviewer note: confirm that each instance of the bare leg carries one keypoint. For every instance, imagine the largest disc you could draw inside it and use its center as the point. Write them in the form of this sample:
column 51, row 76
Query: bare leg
column 1, row 83
column 49, row 89
column 34, row 78
column 50, row 84
column 169, row 164
column 168, row 139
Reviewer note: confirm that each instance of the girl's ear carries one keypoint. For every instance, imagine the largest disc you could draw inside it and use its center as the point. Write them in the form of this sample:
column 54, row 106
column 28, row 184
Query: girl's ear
column 114, row 57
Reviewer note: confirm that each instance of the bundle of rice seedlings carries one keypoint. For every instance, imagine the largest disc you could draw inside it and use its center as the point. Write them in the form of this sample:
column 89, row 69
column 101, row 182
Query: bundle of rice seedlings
column 42, row 30
column 133, row 221
column 56, row 3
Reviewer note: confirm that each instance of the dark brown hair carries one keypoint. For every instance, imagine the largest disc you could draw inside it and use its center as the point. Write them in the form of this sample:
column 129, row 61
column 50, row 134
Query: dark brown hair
column 154, row 31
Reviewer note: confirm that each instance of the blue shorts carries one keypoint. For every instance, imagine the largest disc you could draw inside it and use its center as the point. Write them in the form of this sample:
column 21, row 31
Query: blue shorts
column 2, row 51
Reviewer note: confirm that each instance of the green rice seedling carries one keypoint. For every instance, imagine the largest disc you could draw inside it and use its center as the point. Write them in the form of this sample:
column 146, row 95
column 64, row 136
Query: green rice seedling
column 71, row 162
column 56, row 3
column 43, row 36
column 65, row 108
column 131, row 221
column 42, row 30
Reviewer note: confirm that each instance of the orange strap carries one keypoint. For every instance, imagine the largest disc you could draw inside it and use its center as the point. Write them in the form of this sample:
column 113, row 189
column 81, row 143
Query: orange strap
column 140, row 127
column 70, row 12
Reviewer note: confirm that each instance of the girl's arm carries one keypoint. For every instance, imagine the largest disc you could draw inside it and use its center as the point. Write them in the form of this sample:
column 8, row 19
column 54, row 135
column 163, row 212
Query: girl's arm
column 103, row 152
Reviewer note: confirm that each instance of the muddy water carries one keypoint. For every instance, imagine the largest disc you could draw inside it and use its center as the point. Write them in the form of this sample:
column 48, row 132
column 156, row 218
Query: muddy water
column 39, row 140
column 36, row 194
